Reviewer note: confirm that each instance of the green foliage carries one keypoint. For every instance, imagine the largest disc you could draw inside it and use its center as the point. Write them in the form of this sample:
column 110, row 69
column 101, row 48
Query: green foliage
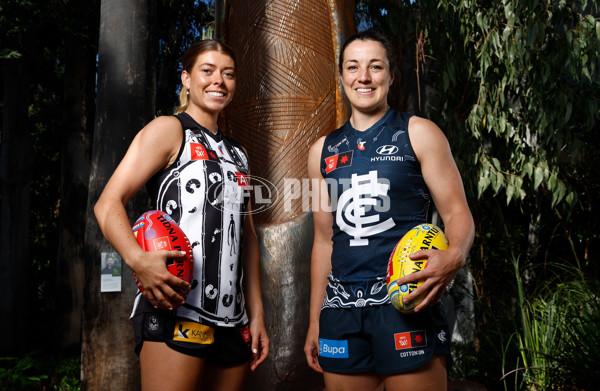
column 533, row 67
column 515, row 86
column 35, row 371
column 180, row 23
column 557, row 332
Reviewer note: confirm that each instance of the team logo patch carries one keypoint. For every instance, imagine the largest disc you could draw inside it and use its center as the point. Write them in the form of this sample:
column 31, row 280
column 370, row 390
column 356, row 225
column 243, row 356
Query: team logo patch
column 193, row 332
column 351, row 214
column 442, row 336
column 152, row 323
column 245, row 333
column 338, row 161
column 332, row 348
column 410, row 339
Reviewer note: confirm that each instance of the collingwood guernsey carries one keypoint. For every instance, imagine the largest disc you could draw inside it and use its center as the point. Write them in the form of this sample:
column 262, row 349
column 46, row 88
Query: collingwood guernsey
column 204, row 193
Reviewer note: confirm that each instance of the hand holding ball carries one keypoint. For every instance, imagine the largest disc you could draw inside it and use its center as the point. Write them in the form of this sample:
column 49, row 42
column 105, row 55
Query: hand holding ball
column 155, row 231
column 421, row 237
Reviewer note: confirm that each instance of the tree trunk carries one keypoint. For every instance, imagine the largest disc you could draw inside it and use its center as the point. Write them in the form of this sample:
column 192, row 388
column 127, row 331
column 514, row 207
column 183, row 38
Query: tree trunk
column 125, row 103
column 80, row 72
column 15, row 180
column 286, row 54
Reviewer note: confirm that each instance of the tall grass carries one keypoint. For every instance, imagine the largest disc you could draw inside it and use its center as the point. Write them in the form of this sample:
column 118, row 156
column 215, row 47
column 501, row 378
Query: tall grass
column 558, row 333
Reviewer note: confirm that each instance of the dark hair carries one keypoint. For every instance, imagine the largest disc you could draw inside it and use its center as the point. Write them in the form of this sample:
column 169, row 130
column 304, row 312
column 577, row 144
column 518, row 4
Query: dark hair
column 189, row 59
column 371, row 35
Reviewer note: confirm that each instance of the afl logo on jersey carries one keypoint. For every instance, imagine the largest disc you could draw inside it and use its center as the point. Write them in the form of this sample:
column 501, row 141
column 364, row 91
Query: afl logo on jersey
column 387, row 150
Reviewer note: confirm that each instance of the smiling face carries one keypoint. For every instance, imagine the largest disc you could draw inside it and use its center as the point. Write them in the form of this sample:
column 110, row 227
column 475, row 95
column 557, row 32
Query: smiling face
column 366, row 76
column 210, row 82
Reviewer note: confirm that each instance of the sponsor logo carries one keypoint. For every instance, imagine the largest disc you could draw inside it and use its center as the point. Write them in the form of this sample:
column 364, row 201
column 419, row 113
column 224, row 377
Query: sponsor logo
column 361, row 144
column 387, row 159
column 332, row 348
column 387, row 150
column 198, row 152
column 410, row 340
column 242, row 179
column 338, row 161
column 245, row 333
column 161, row 243
column 194, row 333
column 412, row 353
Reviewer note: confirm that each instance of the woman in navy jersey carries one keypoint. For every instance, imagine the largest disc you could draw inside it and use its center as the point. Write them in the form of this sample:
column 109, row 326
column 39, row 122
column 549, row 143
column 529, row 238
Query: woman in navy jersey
column 208, row 340
column 382, row 172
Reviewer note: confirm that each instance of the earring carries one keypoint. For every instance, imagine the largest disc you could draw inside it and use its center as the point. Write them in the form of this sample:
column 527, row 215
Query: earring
column 187, row 92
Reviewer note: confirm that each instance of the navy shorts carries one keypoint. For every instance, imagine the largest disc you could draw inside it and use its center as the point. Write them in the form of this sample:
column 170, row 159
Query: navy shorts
column 380, row 339
column 222, row 346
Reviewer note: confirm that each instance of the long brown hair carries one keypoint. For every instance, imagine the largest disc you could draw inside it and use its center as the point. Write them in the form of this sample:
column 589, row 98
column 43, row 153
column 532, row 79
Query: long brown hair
column 189, row 59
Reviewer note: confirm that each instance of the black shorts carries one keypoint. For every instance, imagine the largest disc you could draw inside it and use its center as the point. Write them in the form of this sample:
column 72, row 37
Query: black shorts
column 222, row 346
column 380, row 339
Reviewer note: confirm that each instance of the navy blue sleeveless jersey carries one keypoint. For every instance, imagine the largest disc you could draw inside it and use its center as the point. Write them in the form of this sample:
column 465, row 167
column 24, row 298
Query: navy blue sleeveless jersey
column 377, row 194
column 204, row 193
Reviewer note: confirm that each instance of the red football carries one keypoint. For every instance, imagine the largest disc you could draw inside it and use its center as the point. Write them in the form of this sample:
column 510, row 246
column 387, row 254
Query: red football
column 155, row 230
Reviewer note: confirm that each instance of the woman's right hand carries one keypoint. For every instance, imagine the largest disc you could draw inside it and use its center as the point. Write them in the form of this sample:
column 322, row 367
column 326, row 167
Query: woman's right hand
column 160, row 286
column 162, row 136
column 311, row 347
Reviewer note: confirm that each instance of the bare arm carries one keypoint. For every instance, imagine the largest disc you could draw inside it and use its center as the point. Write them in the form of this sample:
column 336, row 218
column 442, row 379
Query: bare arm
column 253, row 293
column 445, row 184
column 320, row 266
column 153, row 148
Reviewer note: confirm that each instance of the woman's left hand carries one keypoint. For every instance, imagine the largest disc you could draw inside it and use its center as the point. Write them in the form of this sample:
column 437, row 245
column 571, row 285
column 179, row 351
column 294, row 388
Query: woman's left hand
column 260, row 343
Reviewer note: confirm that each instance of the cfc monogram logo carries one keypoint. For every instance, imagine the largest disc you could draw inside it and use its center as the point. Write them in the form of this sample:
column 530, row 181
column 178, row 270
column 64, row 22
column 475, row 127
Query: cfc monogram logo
column 352, row 208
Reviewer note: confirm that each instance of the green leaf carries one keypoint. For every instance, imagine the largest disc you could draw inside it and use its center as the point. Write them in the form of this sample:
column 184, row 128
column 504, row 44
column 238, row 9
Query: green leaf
column 570, row 198
column 506, row 33
column 522, row 194
column 591, row 20
column 496, row 164
column 479, row 19
column 528, row 169
column 8, row 54
column 538, row 177
column 484, row 182
column 552, row 181
column 568, row 111
column 510, row 190
column 497, row 184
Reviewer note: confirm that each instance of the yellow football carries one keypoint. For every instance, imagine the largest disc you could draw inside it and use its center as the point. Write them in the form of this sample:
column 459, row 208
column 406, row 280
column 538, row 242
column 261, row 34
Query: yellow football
column 421, row 237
